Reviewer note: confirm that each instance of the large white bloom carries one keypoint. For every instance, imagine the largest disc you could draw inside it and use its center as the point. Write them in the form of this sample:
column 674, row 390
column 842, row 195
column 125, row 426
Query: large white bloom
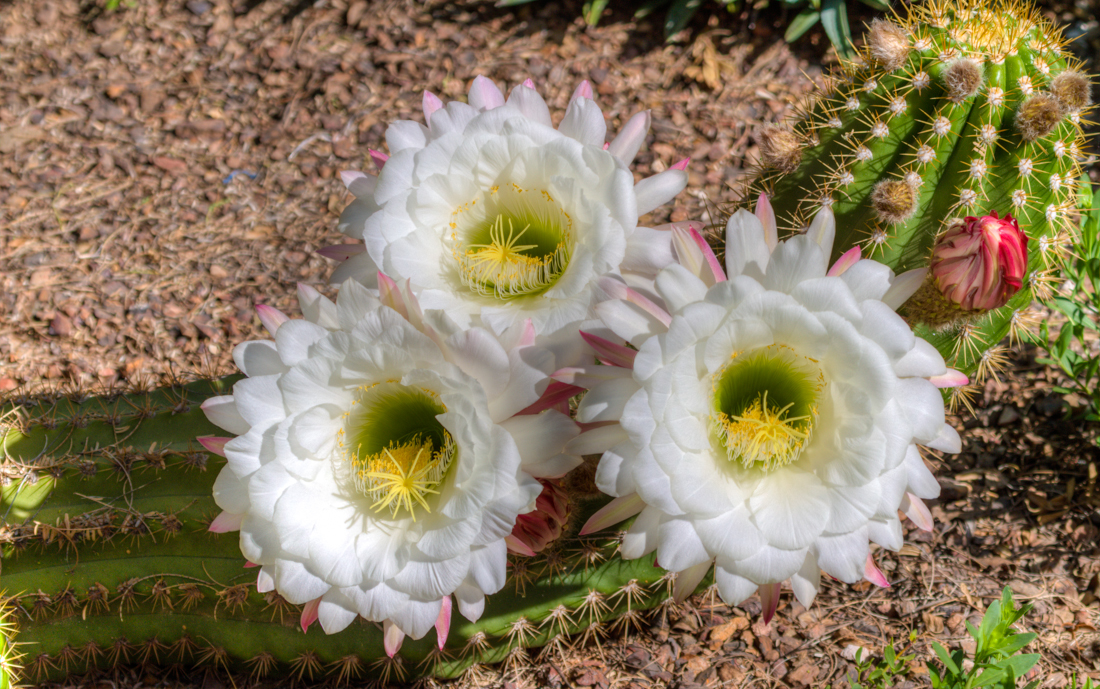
column 382, row 457
column 769, row 423
column 497, row 217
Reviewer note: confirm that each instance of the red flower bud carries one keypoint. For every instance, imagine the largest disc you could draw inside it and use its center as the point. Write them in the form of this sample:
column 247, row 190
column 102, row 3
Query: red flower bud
column 979, row 263
column 544, row 524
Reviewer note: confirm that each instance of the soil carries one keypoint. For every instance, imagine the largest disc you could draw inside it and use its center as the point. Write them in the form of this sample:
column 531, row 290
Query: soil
column 166, row 166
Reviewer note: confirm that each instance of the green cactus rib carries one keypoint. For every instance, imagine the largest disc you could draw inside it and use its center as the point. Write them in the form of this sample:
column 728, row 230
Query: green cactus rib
column 107, row 560
column 959, row 104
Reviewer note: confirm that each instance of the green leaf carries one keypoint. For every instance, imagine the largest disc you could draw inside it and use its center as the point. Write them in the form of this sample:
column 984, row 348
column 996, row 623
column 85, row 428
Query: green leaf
column 679, row 15
column 989, row 676
column 801, row 24
column 834, row 17
column 1020, row 664
column 593, row 10
column 948, row 663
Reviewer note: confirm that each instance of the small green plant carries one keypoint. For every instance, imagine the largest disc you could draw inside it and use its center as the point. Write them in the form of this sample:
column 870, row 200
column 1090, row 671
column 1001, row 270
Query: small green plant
column 874, row 675
column 996, row 661
column 1074, row 350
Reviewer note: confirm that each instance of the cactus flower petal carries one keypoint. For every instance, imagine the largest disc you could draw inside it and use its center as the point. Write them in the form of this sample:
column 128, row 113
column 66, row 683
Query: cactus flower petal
column 874, row 574
column 688, row 580
column 309, row 614
column 443, row 623
column 226, row 522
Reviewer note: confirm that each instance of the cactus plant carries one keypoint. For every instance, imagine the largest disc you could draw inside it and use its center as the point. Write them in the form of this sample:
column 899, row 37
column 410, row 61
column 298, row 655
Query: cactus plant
column 960, row 108
column 107, row 560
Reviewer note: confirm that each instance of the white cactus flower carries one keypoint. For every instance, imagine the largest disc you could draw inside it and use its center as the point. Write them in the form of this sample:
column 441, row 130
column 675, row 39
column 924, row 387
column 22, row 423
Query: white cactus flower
column 382, row 456
column 498, row 217
column 768, row 423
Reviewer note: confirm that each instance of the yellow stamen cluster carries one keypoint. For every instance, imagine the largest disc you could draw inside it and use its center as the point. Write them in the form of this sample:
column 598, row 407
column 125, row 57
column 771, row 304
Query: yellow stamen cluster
column 763, row 435
column 502, row 269
column 400, row 476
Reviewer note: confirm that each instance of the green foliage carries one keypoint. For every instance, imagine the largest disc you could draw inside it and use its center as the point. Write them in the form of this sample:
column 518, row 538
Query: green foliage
column 996, row 662
column 884, row 675
column 1074, row 350
column 832, row 14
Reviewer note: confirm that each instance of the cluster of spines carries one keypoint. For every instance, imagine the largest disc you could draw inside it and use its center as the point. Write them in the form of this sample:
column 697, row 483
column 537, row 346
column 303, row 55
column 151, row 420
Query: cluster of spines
column 959, row 108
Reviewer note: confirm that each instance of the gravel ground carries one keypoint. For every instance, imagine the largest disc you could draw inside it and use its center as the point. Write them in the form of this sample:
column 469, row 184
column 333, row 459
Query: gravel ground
column 165, row 167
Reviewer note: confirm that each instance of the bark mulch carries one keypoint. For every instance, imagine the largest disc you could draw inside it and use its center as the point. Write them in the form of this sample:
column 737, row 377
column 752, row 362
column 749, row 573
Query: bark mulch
column 167, row 166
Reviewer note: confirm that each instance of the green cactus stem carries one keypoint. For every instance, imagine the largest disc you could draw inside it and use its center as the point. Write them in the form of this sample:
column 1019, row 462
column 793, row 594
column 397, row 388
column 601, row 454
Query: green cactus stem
column 960, row 108
column 107, row 561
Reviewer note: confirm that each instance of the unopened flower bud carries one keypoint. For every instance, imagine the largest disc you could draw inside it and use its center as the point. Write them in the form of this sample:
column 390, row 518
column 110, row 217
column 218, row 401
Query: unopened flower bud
column 544, row 524
column 979, row 263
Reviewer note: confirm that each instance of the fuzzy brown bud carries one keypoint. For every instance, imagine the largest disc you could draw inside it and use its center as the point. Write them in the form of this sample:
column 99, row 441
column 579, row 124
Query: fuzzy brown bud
column 1038, row 116
column 780, row 149
column 889, row 44
column 1072, row 89
column 963, row 78
column 894, row 201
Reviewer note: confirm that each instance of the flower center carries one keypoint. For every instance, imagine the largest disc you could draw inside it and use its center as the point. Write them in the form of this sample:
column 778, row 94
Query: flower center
column 397, row 450
column 765, row 406
column 513, row 242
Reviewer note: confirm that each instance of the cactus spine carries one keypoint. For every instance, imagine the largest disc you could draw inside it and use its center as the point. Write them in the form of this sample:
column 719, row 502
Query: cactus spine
column 961, row 108
column 107, row 561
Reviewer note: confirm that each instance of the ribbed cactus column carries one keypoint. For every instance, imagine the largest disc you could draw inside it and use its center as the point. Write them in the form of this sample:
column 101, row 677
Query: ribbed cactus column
column 961, row 108
column 107, row 561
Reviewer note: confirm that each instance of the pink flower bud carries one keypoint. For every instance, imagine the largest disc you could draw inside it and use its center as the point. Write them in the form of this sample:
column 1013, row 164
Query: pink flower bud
column 979, row 263
column 543, row 525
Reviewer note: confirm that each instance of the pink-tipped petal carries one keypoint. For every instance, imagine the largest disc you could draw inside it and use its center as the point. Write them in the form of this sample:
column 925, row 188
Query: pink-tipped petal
column 680, row 165
column 484, row 94
column 528, row 83
column 583, row 90
column 903, row 287
column 443, row 623
column 390, row 295
column 309, row 614
column 431, row 104
column 378, row 158
column 847, row 259
column 518, row 547
column 213, row 444
column 616, row 289
column 528, row 337
column 951, row 379
column 556, row 393
column 606, row 145
column 610, row 353
column 874, row 574
column 769, row 600
column 250, row 565
column 717, row 273
column 688, row 580
column 392, row 638
column 613, row 512
column 693, row 253
column 341, row 252
column 625, row 146
column 766, row 215
column 917, row 511
column 225, row 522
column 270, row 317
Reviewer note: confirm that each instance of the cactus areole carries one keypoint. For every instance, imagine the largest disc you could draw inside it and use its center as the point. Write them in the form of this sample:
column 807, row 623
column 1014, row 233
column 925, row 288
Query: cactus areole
column 959, row 108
